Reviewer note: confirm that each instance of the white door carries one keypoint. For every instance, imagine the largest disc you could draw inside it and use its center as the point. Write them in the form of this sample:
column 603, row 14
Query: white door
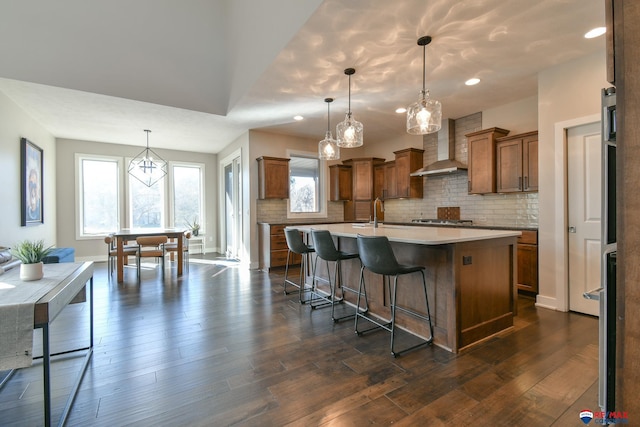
column 584, row 212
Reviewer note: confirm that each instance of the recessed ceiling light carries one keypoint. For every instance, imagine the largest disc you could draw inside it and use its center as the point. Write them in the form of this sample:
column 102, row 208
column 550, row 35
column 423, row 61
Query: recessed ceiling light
column 473, row 81
column 297, row 118
column 596, row 32
column 401, row 110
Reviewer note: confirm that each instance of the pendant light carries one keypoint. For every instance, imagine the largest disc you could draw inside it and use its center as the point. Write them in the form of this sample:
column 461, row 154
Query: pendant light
column 328, row 148
column 148, row 167
column 349, row 132
column 425, row 115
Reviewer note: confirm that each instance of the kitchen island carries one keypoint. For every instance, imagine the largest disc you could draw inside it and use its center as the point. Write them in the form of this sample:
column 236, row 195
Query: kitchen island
column 471, row 278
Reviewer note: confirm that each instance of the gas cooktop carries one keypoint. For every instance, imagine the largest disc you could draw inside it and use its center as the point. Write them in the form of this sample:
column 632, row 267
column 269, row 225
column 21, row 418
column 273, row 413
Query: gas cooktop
column 443, row 221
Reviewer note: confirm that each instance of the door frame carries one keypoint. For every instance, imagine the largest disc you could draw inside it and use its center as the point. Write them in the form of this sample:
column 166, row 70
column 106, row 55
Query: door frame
column 222, row 192
column 561, row 223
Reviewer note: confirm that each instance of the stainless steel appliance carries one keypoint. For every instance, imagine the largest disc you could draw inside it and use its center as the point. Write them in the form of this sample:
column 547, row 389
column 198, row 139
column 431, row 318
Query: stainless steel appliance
column 606, row 294
column 435, row 221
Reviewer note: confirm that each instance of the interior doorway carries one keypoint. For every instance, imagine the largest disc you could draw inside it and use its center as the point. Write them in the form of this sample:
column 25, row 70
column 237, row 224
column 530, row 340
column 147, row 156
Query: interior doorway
column 232, row 206
column 584, row 211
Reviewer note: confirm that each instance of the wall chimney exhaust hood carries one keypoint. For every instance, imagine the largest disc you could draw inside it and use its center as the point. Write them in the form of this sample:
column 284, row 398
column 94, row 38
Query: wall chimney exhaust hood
column 446, row 164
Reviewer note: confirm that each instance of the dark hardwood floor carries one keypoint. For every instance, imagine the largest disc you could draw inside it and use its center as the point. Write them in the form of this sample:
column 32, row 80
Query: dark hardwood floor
column 223, row 346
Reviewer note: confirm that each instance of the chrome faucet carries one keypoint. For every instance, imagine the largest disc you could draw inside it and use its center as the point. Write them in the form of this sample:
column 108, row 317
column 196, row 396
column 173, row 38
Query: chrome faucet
column 375, row 211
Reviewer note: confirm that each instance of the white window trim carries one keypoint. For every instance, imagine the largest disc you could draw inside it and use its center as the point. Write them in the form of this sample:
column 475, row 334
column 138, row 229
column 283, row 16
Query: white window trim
column 80, row 199
column 322, row 191
column 171, row 204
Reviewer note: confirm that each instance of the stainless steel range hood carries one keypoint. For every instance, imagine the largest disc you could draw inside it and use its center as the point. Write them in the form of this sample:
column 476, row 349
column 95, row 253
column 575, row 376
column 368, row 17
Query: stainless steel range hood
column 446, row 164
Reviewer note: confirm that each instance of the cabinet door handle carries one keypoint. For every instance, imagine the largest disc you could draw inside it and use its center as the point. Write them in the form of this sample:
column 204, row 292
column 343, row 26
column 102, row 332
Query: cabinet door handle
column 519, row 183
column 526, row 183
column 469, row 186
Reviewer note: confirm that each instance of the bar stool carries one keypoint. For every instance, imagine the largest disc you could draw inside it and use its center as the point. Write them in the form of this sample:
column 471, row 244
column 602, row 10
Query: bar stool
column 326, row 250
column 296, row 246
column 376, row 255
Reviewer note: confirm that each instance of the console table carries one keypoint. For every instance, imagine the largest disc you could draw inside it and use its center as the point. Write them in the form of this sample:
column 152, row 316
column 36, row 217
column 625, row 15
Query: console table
column 63, row 283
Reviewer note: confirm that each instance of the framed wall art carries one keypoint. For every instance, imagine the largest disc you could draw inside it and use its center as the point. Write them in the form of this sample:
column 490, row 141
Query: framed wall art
column 31, row 183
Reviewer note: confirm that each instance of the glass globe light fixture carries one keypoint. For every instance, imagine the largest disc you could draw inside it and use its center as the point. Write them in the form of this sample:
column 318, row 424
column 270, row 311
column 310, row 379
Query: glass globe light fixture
column 350, row 132
column 425, row 115
column 328, row 148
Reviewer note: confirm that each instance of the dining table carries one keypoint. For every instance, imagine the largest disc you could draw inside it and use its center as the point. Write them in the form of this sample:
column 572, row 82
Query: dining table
column 128, row 234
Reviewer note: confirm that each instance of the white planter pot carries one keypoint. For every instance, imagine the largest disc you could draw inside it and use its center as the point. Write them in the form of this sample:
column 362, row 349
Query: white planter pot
column 31, row 271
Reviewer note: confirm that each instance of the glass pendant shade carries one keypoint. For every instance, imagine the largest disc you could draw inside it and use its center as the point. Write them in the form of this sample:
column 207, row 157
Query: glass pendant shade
column 424, row 116
column 350, row 132
column 148, row 167
column 328, row 148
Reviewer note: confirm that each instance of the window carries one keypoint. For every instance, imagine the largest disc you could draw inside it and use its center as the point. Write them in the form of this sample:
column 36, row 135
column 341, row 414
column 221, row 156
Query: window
column 146, row 204
column 188, row 194
column 306, row 189
column 98, row 189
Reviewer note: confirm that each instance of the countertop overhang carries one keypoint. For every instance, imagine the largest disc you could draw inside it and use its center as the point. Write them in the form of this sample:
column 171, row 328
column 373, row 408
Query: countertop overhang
column 410, row 233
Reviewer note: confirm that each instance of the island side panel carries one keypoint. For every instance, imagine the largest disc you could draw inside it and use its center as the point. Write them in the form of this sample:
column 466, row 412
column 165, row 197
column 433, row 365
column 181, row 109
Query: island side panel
column 487, row 283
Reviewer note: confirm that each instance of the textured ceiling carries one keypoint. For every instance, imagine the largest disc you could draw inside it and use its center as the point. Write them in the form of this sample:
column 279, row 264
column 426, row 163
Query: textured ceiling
column 200, row 73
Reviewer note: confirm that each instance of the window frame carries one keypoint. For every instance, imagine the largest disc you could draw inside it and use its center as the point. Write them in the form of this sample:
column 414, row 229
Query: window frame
column 322, row 187
column 172, row 205
column 79, row 174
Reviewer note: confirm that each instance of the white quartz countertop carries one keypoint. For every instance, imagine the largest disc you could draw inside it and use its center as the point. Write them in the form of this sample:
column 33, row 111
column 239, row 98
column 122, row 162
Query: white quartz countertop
column 410, row 234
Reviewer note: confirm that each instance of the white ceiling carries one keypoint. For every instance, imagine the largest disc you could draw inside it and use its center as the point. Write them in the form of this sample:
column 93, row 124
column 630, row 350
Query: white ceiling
column 199, row 73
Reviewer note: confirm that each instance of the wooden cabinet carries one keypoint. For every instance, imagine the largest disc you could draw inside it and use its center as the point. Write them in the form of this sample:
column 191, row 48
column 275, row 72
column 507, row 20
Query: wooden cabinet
column 517, row 163
column 273, row 178
column 528, row 261
column 340, row 182
column 384, row 180
column 273, row 247
column 481, row 146
column 407, row 161
column 362, row 171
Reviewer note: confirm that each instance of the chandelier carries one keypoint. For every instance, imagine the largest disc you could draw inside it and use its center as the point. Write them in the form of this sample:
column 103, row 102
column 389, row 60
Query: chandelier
column 148, row 167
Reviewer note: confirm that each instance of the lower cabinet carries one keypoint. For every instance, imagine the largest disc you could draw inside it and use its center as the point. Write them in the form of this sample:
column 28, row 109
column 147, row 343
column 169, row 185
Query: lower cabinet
column 273, row 247
column 528, row 261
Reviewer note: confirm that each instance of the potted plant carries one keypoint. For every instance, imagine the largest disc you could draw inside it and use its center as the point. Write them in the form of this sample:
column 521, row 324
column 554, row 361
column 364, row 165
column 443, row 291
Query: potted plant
column 31, row 254
column 194, row 226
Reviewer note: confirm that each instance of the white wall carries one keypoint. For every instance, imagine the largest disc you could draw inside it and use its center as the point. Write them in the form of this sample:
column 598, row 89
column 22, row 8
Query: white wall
column 14, row 125
column 567, row 92
column 519, row 117
column 94, row 249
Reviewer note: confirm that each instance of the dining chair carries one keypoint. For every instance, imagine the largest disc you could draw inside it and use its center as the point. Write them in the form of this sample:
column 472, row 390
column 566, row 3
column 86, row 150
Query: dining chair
column 151, row 247
column 112, row 252
column 172, row 247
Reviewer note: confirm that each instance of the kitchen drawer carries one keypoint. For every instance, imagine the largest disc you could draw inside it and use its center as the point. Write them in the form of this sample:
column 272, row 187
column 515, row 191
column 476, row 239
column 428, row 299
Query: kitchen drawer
column 277, row 229
column 278, row 241
column 278, row 258
column 528, row 238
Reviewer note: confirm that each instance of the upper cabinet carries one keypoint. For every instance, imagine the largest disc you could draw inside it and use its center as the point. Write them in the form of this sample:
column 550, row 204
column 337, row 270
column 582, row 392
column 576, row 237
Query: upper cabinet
column 407, row 161
column 363, row 192
column 273, row 178
column 339, row 183
column 517, row 163
column 481, row 146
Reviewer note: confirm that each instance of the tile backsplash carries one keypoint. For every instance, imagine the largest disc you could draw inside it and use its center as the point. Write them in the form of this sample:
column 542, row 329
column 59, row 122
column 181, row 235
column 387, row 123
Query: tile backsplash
column 505, row 210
